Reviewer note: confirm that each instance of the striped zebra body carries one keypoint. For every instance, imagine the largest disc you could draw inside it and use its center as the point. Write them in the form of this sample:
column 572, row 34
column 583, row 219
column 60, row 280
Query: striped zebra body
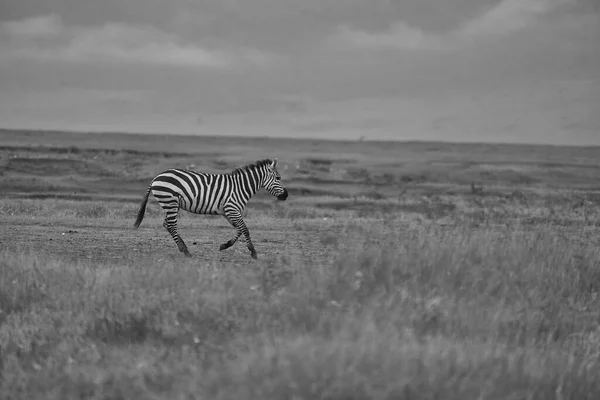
column 216, row 194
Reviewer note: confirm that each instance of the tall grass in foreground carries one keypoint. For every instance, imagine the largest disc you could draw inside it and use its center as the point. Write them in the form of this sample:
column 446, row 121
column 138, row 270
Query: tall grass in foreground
column 448, row 314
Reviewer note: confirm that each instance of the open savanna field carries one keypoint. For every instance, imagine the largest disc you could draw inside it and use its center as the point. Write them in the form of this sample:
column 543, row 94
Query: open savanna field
column 393, row 271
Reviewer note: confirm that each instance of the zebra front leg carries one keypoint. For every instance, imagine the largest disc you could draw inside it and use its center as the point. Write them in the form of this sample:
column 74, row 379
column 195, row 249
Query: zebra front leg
column 170, row 225
column 235, row 219
column 229, row 243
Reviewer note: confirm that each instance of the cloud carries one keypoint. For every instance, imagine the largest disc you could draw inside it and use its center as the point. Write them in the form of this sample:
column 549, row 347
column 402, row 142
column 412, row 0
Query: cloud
column 47, row 38
column 34, row 27
column 509, row 16
column 506, row 17
column 416, row 66
column 399, row 36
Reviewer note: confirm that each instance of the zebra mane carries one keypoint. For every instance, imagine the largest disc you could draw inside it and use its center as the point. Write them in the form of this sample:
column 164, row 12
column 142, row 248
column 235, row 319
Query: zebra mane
column 254, row 165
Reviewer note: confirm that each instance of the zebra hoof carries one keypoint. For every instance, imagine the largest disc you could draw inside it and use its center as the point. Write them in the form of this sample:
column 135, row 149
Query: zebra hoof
column 253, row 255
column 224, row 246
column 187, row 253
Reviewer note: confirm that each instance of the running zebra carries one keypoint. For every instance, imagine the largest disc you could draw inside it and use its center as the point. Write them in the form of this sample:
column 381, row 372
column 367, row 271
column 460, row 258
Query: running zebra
column 217, row 194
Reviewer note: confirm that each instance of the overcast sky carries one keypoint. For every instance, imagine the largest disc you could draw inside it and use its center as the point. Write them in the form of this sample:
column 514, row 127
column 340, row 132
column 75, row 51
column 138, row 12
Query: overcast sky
column 484, row 70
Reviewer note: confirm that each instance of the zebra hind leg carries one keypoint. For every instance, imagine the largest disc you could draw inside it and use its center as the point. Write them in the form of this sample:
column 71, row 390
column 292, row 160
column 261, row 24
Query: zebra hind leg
column 170, row 224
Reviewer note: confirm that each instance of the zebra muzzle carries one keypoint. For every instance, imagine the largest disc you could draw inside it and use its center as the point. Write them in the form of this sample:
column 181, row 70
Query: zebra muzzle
column 283, row 195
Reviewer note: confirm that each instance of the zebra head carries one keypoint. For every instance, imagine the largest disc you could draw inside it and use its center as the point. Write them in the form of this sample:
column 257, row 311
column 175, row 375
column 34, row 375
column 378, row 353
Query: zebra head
column 272, row 182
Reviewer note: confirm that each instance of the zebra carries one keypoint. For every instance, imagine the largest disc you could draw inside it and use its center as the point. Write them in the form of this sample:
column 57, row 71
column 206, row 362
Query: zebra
column 216, row 194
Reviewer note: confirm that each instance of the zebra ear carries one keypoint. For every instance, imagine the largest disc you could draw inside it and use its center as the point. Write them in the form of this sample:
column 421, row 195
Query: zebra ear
column 274, row 163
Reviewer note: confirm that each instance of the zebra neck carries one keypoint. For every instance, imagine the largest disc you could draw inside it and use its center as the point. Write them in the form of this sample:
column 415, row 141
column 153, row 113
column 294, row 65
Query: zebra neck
column 253, row 181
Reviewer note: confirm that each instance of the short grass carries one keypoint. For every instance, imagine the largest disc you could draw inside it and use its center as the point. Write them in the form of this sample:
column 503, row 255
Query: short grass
column 425, row 291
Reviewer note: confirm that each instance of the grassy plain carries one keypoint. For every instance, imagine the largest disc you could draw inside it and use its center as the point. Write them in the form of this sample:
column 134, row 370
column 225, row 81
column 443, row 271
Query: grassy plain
column 393, row 271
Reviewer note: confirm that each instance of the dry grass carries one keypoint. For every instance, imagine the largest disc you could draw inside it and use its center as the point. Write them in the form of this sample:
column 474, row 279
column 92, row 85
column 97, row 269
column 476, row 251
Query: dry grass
column 426, row 312
column 430, row 293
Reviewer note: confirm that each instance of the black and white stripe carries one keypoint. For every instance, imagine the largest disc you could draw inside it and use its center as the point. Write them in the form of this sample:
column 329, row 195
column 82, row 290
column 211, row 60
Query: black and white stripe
column 217, row 194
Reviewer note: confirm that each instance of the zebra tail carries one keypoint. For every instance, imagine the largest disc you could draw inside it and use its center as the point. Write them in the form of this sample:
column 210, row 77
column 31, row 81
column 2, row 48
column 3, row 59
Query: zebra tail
column 142, row 210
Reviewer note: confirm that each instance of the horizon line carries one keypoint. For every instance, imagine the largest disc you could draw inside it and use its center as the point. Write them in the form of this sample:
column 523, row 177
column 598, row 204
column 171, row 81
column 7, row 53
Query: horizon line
column 263, row 137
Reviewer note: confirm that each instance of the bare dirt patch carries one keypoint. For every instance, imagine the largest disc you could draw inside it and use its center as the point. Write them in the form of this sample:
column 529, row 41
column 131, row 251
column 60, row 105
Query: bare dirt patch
column 118, row 243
